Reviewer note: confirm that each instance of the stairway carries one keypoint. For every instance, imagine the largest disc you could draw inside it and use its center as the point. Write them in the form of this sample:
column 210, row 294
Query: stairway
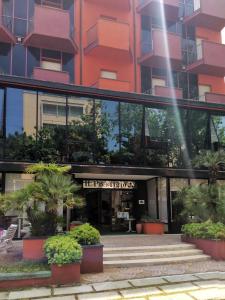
column 152, row 255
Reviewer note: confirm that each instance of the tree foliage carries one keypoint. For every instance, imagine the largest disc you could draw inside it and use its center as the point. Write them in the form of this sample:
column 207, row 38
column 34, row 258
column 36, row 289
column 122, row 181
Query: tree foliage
column 41, row 198
column 213, row 161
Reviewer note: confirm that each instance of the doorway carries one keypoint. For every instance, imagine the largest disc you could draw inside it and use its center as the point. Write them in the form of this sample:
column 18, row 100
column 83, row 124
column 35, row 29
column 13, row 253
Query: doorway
column 108, row 210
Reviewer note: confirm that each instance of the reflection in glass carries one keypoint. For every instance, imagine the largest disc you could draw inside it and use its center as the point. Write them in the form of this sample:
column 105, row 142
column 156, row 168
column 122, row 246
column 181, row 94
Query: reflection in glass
column 107, row 129
column 156, row 136
column 1, row 111
column 20, row 124
column 80, row 132
column 131, row 116
column 218, row 131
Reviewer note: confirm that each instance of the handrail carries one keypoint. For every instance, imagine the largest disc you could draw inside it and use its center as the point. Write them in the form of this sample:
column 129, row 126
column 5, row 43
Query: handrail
column 7, row 22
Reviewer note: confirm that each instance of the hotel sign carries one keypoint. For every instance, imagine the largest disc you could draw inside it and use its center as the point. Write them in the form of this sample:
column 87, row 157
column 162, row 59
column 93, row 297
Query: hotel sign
column 108, row 184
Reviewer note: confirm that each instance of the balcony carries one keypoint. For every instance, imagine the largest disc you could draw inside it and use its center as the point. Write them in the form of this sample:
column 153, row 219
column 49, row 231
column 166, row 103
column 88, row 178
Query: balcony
column 206, row 13
column 215, row 98
column 119, row 4
column 50, row 29
column 168, row 92
column 155, row 54
column 50, row 75
column 108, row 37
column 111, row 84
column 5, row 30
column 208, row 58
column 153, row 8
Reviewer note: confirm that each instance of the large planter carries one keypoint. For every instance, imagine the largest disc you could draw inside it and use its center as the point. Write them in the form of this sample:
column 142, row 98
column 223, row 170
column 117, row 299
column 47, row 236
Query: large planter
column 213, row 248
column 33, row 248
column 66, row 274
column 92, row 261
column 153, row 228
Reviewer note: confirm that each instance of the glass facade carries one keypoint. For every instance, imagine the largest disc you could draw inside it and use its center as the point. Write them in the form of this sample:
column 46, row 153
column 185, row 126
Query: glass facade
column 38, row 126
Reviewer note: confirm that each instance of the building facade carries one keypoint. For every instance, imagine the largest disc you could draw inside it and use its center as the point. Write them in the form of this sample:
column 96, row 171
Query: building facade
column 126, row 91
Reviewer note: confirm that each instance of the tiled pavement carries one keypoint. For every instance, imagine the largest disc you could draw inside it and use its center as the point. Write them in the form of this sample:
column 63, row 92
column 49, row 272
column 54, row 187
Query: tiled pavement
column 199, row 286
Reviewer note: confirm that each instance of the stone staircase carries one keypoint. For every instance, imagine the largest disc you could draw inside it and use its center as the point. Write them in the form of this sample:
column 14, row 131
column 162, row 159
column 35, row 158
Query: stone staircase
column 152, row 255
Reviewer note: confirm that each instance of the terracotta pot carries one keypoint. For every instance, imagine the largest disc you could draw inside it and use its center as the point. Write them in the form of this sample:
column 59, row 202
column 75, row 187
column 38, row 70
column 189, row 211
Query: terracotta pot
column 92, row 261
column 139, row 228
column 153, row 228
column 66, row 274
column 33, row 248
column 214, row 248
column 74, row 225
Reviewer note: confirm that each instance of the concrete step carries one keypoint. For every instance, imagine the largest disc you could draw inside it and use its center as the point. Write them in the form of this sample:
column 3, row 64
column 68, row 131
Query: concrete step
column 181, row 246
column 155, row 261
column 149, row 254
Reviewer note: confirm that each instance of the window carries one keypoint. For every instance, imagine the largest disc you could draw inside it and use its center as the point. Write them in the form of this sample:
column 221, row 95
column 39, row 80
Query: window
column 54, row 110
column 50, row 65
column 157, row 82
column 202, row 90
column 75, row 111
column 51, row 60
column 50, row 109
column 109, row 75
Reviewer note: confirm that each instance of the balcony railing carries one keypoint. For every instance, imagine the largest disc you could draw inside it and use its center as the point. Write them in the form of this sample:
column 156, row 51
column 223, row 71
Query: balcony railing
column 51, row 28
column 154, row 49
column 205, row 13
column 112, row 84
column 51, row 75
column 207, row 58
column 6, row 30
column 110, row 34
column 153, row 8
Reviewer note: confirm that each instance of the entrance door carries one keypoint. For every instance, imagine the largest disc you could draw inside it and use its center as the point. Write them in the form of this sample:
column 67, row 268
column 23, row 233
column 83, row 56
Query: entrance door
column 108, row 209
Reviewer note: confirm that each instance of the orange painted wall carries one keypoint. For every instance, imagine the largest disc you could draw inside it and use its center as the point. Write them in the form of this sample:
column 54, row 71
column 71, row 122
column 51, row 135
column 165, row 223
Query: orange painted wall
column 207, row 34
column 217, row 83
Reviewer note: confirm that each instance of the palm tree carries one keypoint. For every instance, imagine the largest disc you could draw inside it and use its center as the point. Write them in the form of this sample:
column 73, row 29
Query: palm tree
column 41, row 198
column 213, row 161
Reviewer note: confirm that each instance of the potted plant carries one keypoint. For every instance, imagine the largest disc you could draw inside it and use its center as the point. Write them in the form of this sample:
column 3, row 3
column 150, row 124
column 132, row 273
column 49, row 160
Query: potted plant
column 152, row 226
column 64, row 255
column 89, row 238
column 207, row 236
column 41, row 199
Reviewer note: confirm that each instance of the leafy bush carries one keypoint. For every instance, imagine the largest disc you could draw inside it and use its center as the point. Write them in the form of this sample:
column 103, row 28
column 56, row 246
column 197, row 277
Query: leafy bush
column 85, row 234
column 62, row 250
column 206, row 230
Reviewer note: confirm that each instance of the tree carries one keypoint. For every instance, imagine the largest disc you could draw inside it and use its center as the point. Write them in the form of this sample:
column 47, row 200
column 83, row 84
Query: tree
column 213, row 161
column 42, row 197
column 203, row 202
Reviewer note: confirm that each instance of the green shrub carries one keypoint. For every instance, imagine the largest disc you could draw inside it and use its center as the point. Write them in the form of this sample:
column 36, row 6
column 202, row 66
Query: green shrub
column 206, row 230
column 85, row 234
column 62, row 250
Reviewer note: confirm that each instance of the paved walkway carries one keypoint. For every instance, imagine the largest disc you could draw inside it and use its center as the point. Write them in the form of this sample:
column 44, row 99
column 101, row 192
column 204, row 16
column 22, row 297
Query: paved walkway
column 199, row 286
